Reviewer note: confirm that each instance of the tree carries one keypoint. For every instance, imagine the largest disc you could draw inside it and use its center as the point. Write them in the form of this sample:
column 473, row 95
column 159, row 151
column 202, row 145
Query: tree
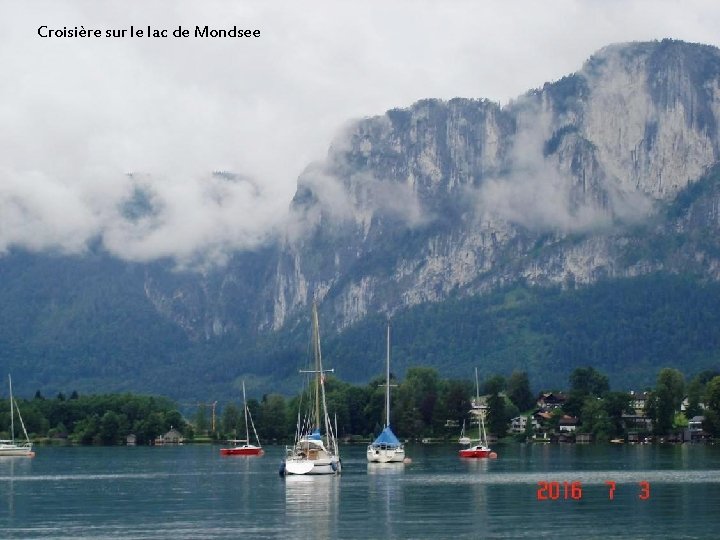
column 588, row 381
column 584, row 383
column 494, row 385
column 595, row 418
column 109, row 428
column 149, row 429
column 455, row 398
column 695, row 391
column 665, row 399
column 230, row 419
column 417, row 397
column 712, row 404
column 518, row 390
column 616, row 404
column 273, row 422
column 201, row 419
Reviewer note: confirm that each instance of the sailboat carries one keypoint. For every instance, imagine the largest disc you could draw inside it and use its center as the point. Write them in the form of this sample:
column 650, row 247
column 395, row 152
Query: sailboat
column 8, row 447
column 314, row 452
column 242, row 446
column 480, row 448
column 386, row 448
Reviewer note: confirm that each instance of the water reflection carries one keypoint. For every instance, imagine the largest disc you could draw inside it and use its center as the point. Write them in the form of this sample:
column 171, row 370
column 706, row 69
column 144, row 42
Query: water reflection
column 385, row 494
column 312, row 503
column 475, row 465
column 9, row 467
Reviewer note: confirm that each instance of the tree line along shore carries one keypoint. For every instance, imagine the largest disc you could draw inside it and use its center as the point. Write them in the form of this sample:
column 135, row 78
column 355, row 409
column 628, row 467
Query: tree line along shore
column 424, row 406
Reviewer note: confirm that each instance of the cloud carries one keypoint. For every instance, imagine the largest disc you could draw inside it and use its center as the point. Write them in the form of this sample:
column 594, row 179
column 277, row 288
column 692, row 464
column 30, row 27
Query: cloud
column 78, row 115
column 535, row 193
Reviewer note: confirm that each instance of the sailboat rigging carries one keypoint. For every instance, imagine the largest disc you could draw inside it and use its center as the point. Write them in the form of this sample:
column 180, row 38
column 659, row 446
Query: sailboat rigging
column 8, row 447
column 314, row 452
column 242, row 446
column 386, row 448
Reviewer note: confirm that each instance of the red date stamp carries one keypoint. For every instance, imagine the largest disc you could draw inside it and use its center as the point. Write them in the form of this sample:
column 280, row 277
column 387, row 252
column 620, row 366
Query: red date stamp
column 553, row 491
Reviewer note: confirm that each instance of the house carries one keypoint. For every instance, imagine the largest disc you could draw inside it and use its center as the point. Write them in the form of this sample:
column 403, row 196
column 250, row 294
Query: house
column 639, row 422
column 131, row 440
column 519, row 424
column 694, row 432
column 568, row 424
column 541, row 418
column 639, row 401
column 171, row 437
column 686, row 403
column 550, row 400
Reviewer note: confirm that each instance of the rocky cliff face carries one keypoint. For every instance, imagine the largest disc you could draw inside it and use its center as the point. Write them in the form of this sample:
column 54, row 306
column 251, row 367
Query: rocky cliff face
column 459, row 197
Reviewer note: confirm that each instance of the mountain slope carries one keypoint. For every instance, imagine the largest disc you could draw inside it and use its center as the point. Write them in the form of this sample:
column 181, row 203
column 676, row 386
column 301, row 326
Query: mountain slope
column 602, row 183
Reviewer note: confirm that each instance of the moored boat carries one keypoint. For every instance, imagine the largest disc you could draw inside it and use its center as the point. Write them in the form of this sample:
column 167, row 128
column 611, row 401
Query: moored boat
column 480, row 448
column 242, row 447
column 386, row 448
column 314, row 452
column 9, row 447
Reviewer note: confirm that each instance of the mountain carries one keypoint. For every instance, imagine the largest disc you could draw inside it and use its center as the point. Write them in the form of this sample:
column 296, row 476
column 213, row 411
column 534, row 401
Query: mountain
column 489, row 222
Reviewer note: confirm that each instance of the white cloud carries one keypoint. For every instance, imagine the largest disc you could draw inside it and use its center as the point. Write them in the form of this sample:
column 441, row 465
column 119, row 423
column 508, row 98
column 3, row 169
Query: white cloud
column 77, row 115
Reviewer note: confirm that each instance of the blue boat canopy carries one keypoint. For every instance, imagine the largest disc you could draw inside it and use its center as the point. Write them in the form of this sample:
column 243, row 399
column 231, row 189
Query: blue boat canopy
column 315, row 435
column 387, row 437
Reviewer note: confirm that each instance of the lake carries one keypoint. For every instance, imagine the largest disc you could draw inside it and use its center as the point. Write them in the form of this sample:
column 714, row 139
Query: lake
column 530, row 491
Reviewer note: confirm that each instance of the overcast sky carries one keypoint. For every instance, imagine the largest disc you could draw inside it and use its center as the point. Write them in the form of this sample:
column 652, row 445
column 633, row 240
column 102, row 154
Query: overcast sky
column 78, row 114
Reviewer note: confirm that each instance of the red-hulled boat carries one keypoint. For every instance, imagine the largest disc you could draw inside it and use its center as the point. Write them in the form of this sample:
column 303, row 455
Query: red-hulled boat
column 242, row 447
column 477, row 451
column 480, row 449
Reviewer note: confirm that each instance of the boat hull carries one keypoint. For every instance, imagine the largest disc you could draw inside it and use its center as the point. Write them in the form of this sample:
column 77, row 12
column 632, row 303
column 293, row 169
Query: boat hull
column 242, row 451
column 385, row 455
column 475, row 452
column 16, row 451
column 312, row 467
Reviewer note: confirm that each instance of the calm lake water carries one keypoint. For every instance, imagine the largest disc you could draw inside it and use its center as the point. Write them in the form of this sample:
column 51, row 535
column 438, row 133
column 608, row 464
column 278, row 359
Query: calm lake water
column 192, row 492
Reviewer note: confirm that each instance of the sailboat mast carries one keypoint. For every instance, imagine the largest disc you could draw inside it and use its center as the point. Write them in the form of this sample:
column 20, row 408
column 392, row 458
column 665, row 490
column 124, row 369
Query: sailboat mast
column 477, row 404
column 247, row 431
column 318, row 363
column 12, row 413
column 481, row 420
column 387, row 379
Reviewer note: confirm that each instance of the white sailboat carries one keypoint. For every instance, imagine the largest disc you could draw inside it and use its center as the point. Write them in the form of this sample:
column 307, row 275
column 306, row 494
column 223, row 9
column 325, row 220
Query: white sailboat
column 386, row 448
column 8, row 447
column 314, row 452
column 243, row 447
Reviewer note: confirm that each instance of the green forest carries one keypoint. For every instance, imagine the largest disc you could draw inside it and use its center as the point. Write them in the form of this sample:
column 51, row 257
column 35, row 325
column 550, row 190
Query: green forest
column 424, row 405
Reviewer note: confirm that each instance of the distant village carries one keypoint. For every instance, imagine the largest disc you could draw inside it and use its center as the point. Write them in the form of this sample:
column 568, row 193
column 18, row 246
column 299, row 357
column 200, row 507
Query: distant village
column 549, row 423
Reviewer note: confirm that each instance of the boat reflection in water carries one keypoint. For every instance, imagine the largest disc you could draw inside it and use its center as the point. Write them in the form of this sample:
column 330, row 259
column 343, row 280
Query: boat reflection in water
column 312, row 505
column 10, row 467
column 385, row 495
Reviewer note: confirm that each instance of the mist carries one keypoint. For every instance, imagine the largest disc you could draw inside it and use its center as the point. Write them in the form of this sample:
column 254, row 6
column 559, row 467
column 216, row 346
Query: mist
column 87, row 124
